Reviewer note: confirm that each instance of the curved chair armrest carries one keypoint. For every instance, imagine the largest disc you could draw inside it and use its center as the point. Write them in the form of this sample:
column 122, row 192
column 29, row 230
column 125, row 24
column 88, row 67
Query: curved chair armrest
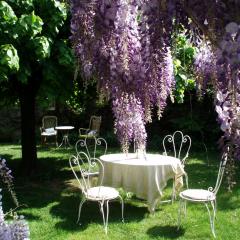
column 184, row 159
column 41, row 129
column 83, row 131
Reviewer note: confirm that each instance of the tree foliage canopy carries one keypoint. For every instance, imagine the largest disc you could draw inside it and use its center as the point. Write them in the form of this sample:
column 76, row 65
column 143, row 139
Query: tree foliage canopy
column 29, row 40
column 35, row 61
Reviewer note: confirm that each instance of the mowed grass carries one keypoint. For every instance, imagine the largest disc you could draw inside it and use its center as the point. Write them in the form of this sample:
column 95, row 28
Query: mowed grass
column 52, row 198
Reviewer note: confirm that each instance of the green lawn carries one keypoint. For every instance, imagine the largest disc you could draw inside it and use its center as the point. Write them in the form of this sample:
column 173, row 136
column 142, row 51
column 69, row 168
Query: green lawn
column 52, row 203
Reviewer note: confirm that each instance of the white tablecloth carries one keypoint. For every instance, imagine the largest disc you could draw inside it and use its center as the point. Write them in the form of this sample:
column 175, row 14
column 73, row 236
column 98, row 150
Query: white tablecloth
column 144, row 177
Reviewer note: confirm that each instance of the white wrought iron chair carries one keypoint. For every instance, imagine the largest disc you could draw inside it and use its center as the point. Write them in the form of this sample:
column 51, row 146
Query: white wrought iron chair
column 100, row 194
column 90, row 147
column 179, row 146
column 203, row 196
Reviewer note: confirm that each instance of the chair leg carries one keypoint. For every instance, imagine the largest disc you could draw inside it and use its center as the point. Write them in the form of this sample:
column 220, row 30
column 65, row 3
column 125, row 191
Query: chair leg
column 185, row 208
column 180, row 212
column 186, row 178
column 212, row 218
column 106, row 223
column 182, row 208
column 80, row 208
column 122, row 205
column 102, row 211
column 173, row 192
column 215, row 202
column 56, row 143
column 43, row 139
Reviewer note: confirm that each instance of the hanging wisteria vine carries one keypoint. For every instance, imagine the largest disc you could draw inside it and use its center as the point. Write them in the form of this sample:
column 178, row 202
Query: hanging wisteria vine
column 119, row 42
column 127, row 45
column 218, row 64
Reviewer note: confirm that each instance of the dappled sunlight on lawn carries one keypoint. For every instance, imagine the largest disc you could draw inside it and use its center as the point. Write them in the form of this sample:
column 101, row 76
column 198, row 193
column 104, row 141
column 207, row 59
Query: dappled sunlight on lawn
column 52, row 197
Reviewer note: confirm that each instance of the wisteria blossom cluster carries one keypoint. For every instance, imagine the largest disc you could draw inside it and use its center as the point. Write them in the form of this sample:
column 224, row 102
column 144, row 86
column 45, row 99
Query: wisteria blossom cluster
column 228, row 95
column 222, row 65
column 218, row 60
column 125, row 43
column 230, row 125
column 7, row 179
column 205, row 66
column 15, row 230
column 128, row 114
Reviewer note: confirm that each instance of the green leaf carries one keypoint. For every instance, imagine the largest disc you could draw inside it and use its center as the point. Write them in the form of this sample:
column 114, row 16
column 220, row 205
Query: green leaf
column 24, row 73
column 189, row 51
column 9, row 59
column 29, row 25
column 22, row 5
column 7, row 21
column 42, row 47
column 7, row 15
column 191, row 83
column 177, row 63
column 3, row 76
column 65, row 54
column 182, row 76
column 54, row 13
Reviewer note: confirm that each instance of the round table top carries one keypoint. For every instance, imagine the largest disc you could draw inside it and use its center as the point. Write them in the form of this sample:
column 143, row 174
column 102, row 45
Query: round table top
column 131, row 159
column 64, row 127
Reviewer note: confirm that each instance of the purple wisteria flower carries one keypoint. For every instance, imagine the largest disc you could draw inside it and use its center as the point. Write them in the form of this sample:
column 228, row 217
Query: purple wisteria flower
column 122, row 42
column 220, row 67
column 17, row 229
column 7, row 178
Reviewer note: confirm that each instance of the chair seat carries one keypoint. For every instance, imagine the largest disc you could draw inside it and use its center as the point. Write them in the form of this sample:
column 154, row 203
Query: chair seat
column 91, row 174
column 99, row 193
column 53, row 133
column 87, row 136
column 197, row 195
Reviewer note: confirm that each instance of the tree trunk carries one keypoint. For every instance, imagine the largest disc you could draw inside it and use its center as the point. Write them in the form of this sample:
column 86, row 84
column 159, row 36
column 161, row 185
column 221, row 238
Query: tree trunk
column 28, row 137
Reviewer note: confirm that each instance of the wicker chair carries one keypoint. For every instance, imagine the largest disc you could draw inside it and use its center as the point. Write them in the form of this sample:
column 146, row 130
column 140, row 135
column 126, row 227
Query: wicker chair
column 48, row 129
column 93, row 129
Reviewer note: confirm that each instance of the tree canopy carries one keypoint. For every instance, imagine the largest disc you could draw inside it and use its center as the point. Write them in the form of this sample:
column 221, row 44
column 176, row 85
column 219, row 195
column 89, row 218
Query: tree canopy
column 32, row 36
column 35, row 59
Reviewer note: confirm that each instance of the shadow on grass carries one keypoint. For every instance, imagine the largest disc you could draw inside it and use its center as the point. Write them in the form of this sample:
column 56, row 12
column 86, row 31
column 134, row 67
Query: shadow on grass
column 47, row 168
column 16, row 147
column 67, row 210
column 169, row 232
column 31, row 217
column 53, row 149
column 48, row 185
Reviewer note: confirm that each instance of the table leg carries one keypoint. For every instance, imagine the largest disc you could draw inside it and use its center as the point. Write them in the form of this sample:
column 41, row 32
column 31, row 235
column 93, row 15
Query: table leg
column 65, row 141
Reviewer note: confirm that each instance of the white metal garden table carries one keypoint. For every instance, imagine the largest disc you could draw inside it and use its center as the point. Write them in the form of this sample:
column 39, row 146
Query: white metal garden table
column 146, row 177
column 65, row 130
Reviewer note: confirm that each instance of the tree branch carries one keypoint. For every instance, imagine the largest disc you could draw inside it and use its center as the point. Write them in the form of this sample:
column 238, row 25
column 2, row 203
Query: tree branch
column 204, row 30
